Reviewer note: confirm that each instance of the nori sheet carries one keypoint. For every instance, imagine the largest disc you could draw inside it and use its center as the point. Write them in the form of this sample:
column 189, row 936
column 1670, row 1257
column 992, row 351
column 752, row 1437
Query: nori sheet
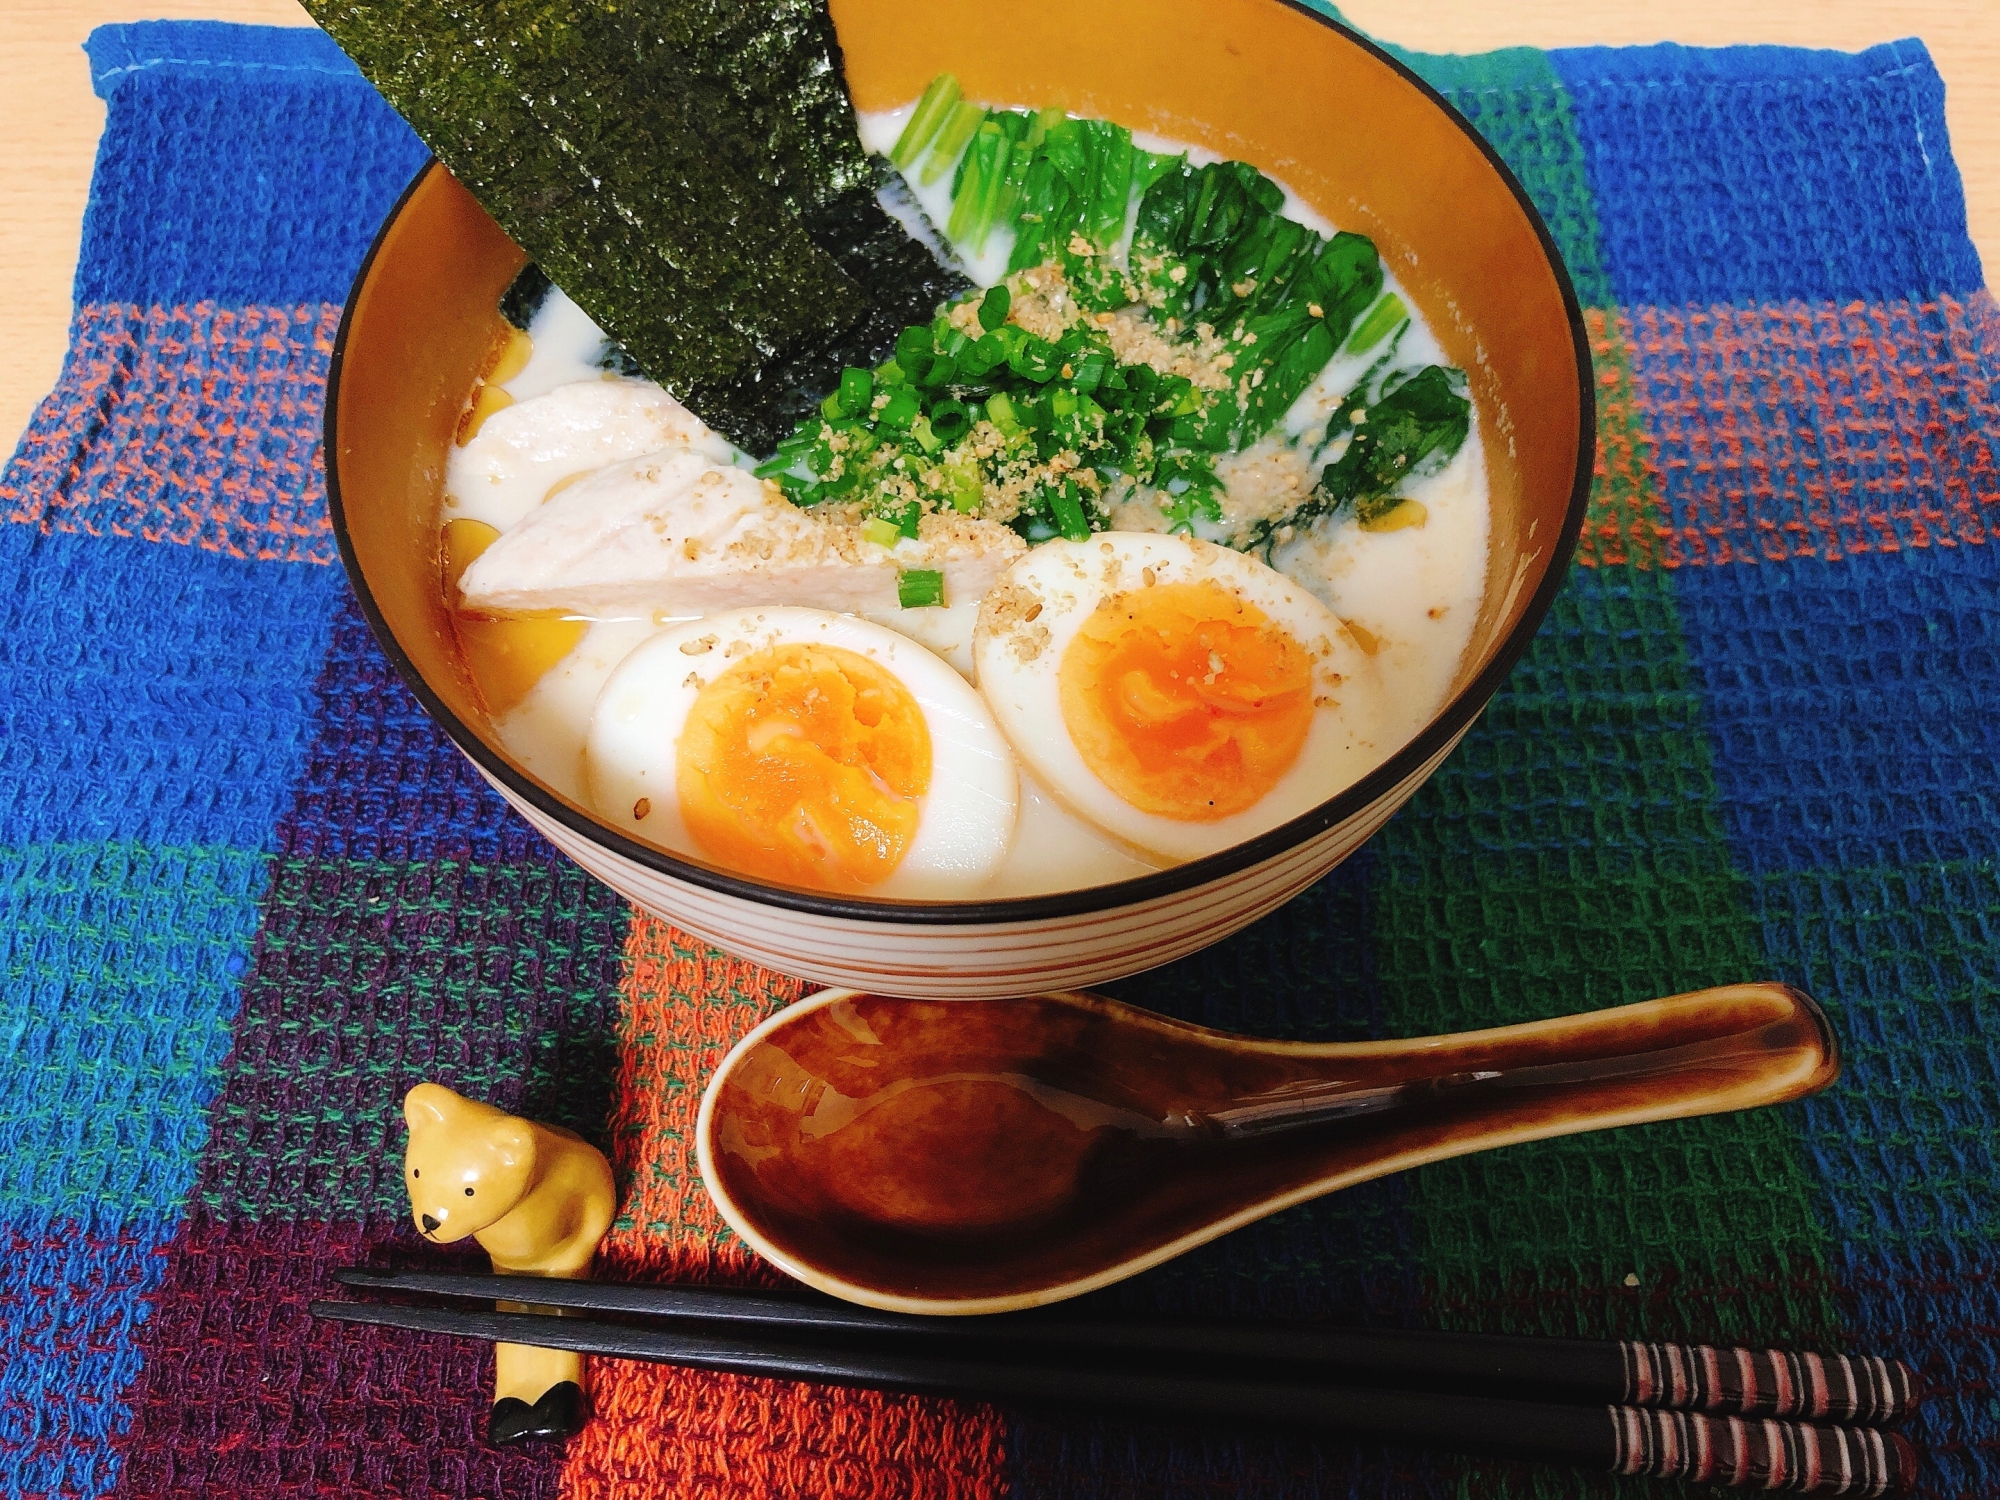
column 614, row 165
column 687, row 170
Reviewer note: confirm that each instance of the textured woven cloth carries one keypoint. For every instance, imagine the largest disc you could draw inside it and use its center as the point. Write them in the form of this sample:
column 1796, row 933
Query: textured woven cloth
column 249, row 894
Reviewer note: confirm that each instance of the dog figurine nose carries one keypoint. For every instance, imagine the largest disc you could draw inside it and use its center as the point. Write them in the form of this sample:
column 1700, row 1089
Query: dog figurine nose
column 430, row 1224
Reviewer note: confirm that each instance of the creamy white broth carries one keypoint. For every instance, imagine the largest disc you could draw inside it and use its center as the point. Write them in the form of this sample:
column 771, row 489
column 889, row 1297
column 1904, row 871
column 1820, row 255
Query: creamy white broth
column 1412, row 594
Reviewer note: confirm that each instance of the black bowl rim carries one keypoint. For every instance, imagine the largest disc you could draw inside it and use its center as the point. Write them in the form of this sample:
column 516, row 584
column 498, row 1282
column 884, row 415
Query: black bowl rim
column 1457, row 715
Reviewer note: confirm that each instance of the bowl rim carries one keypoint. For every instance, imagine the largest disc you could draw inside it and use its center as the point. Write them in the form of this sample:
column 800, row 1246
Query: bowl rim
column 1456, row 716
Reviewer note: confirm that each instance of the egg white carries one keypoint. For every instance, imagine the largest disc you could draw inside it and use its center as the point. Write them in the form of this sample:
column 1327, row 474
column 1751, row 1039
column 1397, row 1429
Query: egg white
column 1061, row 584
column 965, row 822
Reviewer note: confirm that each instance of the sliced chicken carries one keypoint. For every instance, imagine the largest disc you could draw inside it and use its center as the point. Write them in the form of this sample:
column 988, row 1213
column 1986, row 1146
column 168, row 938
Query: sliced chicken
column 676, row 533
column 521, row 452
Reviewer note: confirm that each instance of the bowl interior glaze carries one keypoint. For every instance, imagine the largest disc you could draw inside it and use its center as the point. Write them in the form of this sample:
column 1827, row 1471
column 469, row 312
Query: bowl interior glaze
column 1261, row 80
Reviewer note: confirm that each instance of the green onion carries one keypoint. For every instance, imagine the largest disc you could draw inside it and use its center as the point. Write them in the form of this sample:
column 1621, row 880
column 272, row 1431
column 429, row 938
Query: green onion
column 883, row 533
column 927, row 440
column 857, row 389
column 1002, row 414
column 1381, row 320
column 1069, row 513
column 831, row 408
column 888, row 373
column 1036, row 359
column 994, row 307
column 901, row 410
column 968, row 487
column 950, row 421
column 924, row 120
column 988, row 350
column 964, row 119
column 909, row 519
column 911, row 342
column 920, row 588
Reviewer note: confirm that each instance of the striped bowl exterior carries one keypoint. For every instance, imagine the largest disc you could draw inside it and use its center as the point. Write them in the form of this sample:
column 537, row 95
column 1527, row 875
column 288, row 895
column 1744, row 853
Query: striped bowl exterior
column 980, row 960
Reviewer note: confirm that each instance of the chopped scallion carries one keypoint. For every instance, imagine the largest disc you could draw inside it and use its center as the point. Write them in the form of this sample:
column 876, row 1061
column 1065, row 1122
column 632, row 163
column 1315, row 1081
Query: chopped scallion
column 901, row 410
column 920, row 588
column 883, row 533
column 857, row 389
column 1068, row 512
column 950, row 421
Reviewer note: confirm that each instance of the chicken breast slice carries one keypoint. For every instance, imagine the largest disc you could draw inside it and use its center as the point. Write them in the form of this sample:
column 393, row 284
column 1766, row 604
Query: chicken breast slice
column 523, row 451
column 675, row 533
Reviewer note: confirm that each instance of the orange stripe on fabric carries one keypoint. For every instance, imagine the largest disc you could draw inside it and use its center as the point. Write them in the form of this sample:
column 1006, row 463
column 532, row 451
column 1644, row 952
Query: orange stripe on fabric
column 1815, row 431
column 666, row 1432
column 1626, row 522
column 195, row 425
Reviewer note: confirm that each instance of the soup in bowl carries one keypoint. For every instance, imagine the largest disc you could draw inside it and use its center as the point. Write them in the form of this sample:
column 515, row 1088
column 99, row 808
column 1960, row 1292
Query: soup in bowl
column 1109, row 609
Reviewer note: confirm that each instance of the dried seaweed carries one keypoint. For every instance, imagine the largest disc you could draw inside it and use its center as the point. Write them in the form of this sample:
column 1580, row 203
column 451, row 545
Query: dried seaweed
column 612, row 163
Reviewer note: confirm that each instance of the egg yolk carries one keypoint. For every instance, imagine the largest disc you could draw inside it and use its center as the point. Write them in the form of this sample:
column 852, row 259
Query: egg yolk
column 803, row 764
column 1185, row 700
column 507, row 655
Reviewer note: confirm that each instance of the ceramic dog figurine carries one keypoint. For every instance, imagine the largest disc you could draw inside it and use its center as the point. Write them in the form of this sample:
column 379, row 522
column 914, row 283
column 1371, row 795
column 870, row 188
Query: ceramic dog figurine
column 538, row 1199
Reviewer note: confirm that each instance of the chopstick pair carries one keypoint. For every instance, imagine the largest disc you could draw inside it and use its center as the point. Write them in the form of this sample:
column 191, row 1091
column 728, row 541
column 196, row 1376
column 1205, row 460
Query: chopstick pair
column 1708, row 1415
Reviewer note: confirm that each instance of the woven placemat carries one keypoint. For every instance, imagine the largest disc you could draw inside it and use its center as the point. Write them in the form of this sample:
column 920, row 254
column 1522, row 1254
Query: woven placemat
column 249, row 894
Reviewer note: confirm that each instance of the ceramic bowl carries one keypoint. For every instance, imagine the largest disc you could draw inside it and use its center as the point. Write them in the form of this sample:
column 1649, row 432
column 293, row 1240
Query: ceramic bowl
column 1356, row 134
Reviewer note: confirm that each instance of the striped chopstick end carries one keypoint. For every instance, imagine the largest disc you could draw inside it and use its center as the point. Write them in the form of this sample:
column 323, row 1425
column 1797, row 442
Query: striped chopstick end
column 1762, row 1454
column 1770, row 1383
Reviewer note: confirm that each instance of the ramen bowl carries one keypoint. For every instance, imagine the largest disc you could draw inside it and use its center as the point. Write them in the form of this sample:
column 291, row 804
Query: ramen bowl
column 1358, row 136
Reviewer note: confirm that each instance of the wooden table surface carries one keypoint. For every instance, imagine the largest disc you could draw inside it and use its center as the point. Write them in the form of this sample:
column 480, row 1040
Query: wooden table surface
column 51, row 120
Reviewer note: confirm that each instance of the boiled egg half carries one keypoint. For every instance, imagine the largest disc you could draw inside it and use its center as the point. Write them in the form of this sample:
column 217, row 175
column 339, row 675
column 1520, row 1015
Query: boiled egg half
column 1180, row 696
column 808, row 749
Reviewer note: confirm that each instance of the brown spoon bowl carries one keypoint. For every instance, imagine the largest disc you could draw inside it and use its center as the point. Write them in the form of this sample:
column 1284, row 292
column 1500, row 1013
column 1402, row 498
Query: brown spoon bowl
column 984, row 1156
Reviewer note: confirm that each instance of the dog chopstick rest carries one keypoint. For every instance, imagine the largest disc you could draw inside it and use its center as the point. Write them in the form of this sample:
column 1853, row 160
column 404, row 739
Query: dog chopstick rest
column 537, row 1198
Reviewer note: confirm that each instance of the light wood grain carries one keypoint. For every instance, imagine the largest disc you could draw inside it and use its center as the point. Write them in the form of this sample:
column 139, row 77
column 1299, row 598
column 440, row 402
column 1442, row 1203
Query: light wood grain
column 50, row 120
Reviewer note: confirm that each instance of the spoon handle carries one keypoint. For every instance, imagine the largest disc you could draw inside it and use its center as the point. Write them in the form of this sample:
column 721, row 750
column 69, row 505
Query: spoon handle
column 1735, row 1047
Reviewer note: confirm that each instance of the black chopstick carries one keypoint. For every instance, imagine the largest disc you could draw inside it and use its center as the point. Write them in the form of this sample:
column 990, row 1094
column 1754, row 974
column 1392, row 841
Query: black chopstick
column 1720, row 1382
column 1626, row 1440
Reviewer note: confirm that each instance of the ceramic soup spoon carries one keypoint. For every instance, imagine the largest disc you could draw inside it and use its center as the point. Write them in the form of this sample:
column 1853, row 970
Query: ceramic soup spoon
column 981, row 1156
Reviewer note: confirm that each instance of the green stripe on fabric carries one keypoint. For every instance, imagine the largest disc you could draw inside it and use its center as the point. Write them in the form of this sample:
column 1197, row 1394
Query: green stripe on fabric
column 1515, row 100
column 119, row 969
column 1911, row 947
column 498, row 980
column 1570, row 856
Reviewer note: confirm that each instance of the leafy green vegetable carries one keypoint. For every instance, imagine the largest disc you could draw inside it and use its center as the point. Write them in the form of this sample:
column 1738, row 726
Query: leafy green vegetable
column 1415, row 429
column 1382, row 320
column 938, row 101
column 1212, row 246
